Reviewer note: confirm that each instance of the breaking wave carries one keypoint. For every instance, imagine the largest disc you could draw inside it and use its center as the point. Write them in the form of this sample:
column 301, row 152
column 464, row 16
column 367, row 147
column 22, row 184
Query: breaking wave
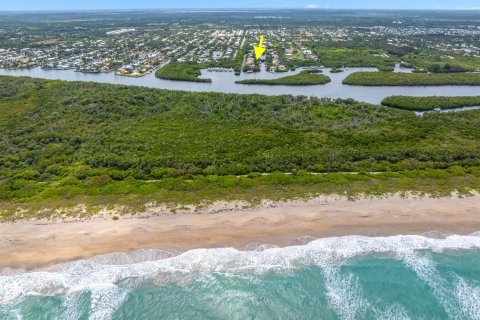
column 337, row 274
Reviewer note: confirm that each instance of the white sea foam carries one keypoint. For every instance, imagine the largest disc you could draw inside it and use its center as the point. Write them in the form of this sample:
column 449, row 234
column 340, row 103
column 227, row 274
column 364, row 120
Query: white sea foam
column 345, row 294
column 461, row 303
column 426, row 270
column 347, row 299
column 394, row 312
column 469, row 297
column 104, row 300
column 73, row 306
column 158, row 266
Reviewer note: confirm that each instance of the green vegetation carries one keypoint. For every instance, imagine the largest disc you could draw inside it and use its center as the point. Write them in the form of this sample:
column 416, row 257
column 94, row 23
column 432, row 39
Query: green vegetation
column 65, row 143
column 411, row 79
column 182, row 71
column 336, row 70
column 429, row 103
column 442, row 62
column 343, row 57
column 361, row 54
column 131, row 195
column 304, row 78
column 386, row 68
column 401, row 51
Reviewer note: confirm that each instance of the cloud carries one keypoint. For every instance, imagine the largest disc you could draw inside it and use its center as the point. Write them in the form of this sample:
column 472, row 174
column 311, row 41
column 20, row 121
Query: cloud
column 312, row 6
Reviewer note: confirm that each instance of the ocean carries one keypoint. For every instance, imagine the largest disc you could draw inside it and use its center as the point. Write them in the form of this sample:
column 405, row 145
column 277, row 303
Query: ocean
column 352, row 277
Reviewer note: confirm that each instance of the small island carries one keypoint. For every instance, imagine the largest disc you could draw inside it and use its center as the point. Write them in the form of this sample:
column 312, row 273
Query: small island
column 430, row 103
column 383, row 78
column 336, row 70
column 182, row 71
column 304, row 78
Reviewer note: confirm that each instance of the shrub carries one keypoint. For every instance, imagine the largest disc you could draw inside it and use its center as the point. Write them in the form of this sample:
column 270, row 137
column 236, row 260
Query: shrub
column 99, row 181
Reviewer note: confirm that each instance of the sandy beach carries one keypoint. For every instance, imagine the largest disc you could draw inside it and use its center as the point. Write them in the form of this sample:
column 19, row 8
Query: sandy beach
column 34, row 244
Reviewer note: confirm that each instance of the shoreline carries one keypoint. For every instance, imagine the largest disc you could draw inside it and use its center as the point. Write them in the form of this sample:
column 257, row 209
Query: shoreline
column 42, row 243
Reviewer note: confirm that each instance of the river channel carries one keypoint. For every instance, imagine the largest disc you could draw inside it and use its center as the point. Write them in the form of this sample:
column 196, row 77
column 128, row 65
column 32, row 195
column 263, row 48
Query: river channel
column 225, row 82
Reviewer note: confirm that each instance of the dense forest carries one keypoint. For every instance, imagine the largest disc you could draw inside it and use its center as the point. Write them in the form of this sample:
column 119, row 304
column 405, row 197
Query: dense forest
column 61, row 140
column 429, row 103
column 346, row 57
column 304, row 78
column 182, row 71
column 412, row 79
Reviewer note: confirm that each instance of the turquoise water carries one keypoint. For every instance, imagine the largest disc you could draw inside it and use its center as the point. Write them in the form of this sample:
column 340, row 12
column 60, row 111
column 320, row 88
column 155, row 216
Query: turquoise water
column 402, row 277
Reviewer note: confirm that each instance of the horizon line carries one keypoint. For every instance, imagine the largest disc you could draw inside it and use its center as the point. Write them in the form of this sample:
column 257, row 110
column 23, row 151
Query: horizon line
column 235, row 9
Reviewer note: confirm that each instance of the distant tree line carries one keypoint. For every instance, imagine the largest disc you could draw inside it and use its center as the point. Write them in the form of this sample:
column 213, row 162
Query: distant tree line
column 412, row 79
column 430, row 103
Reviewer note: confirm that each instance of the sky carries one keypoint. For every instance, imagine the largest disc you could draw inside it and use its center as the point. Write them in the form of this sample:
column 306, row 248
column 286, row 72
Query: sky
column 28, row 5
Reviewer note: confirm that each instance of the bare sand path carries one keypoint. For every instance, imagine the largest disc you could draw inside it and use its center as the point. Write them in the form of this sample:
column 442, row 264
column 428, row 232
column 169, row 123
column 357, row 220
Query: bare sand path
column 32, row 244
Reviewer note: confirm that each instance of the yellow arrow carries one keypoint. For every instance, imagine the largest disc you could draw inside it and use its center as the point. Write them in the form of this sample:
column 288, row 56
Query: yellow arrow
column 259, row 50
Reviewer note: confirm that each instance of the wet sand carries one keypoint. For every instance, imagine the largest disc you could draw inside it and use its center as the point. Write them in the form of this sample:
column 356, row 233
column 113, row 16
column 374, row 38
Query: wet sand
column 34, row 244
